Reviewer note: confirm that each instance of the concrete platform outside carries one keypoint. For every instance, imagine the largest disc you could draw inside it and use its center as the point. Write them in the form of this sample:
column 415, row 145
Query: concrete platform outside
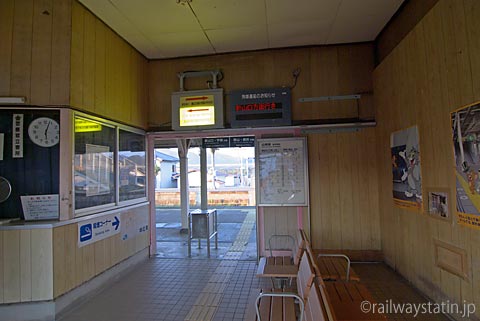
column 173, row 244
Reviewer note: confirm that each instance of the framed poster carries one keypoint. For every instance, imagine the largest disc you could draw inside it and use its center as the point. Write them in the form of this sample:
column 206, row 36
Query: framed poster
column 282, row 172
column 439, row 203
column 406, row 171
column 465, row 124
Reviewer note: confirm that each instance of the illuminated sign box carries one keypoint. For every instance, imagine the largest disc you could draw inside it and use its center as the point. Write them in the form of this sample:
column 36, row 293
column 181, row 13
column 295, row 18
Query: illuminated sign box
column 197, row 109
column 260, row 107
column 83, row 126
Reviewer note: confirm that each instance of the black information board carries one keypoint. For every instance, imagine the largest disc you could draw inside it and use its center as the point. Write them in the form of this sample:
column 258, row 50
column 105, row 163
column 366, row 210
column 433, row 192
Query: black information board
column 31, row 167
column 224, row 142
column 260, row 107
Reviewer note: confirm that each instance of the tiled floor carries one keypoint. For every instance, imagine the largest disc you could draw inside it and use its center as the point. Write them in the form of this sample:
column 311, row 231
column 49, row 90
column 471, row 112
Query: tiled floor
column 169, row 289
column 218, row 289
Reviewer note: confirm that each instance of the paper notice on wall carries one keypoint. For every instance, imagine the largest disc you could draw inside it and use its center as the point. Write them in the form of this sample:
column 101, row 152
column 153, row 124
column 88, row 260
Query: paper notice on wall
column 134, row 224
column 17, row 136
column 2, row 136
column 40, row 207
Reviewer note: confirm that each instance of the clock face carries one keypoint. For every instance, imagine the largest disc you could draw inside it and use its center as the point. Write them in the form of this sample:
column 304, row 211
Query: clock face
column 44, row 132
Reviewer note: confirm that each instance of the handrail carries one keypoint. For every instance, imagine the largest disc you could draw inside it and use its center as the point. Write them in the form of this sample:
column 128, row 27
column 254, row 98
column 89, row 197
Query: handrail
column 339, row 255
column 282, row 294
column 280, row 235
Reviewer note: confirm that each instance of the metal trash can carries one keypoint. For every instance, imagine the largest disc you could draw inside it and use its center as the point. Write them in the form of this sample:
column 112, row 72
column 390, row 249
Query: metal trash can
column 202, row 224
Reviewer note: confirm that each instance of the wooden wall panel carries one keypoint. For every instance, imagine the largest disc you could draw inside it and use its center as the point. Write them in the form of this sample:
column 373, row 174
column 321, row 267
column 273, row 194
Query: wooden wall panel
column 343, row 191
column 25, row 266
column 59, row 260
column 22, row 49
column 34, row 60
column 11, row 266
column 41, row 52
column 61, row 37
column 74, row 266
column 42, row 264
column 432, row 72
column 104, row 67
column 6, row 34
column 330, row 70
column 76, row 69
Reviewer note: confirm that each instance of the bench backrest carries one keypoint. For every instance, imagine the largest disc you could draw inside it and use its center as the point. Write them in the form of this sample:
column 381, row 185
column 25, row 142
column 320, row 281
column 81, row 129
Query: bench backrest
column 314, row 309
column 308, row 249
column 305, row 277
column 318, row 306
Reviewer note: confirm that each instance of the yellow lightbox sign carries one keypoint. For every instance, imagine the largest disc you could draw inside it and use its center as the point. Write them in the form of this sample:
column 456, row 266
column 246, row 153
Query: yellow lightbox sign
column 197, row 111
column 84, row 126
column 197, row 116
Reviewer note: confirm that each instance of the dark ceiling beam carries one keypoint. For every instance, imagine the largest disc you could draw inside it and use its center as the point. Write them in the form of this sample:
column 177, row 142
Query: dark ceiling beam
column 404, row 20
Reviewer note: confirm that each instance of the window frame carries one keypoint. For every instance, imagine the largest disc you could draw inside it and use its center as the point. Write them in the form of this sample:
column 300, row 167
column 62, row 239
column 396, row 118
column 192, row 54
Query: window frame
column 117, row 203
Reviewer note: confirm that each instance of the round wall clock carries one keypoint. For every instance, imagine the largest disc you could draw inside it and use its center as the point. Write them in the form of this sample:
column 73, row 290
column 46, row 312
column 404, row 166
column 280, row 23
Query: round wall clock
column 44, row 132
column 5, row 189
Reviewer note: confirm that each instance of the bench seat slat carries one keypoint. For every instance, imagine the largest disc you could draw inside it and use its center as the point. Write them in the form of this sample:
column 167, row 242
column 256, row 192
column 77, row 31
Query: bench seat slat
column 264, row 308
column 276, row 308
column 289, row 309
column 353, row 290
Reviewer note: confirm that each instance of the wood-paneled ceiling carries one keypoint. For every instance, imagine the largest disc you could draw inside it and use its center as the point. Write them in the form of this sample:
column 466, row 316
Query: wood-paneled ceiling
column 179, row 28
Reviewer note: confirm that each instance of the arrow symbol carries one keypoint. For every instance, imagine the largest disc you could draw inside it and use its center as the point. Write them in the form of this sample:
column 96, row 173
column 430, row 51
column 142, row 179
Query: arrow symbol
column 194, row 110
column 116, row 224
column 196, row 98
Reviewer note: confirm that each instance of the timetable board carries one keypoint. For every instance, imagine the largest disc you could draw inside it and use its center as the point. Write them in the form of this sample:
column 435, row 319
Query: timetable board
column 282, row 172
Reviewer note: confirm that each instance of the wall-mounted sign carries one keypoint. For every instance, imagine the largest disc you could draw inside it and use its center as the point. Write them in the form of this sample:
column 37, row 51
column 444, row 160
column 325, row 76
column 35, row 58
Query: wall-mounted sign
column 96, row 229
column 216, row 142
column 17, row 137
column 83, row 126
column 224, row 142
column 133, row 224
column 40, row 207
column 244, row 141
column 282, row 171
column 260, row 107
column 197, row 109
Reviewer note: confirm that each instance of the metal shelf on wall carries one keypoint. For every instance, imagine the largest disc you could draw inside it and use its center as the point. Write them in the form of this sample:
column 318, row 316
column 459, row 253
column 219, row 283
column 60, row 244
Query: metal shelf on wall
column 293, row 130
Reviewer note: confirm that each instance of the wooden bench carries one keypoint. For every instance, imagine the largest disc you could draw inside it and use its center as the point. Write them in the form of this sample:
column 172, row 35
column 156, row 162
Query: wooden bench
column 343, row 298
column 280, row 305
column 331, row 267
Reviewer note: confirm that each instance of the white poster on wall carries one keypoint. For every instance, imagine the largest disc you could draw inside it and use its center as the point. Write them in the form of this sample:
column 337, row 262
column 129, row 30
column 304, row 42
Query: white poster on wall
column 40, row 207
column 96, row 229
column 133, row 224
column 17, row 136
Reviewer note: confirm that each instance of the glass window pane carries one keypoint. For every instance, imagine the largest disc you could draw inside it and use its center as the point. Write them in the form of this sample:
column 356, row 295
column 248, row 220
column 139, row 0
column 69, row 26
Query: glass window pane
column 94, row 168
column 132, row 165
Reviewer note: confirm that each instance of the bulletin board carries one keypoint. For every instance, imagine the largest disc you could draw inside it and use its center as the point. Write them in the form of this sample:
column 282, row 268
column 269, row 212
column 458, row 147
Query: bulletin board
column 31, row 167
column 282, row 172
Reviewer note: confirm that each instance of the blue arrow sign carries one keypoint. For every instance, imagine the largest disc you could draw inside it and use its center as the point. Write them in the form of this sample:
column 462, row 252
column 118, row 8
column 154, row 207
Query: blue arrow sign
column 116, row 224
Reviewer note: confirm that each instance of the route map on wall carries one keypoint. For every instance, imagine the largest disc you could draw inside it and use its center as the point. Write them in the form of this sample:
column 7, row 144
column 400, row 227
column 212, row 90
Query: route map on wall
column 282, row 172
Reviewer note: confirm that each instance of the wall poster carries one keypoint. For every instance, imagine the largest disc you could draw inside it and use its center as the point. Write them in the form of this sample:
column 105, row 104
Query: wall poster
column 406, row 171
column 466, row 144
column 282, row 172
column 438, row 200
